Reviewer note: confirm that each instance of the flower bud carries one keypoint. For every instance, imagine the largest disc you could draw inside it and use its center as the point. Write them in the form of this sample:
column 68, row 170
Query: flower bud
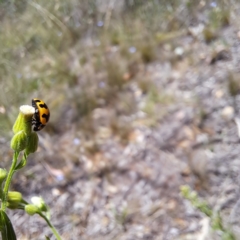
column 185, row 190
column 3, row 175
column 19, row 141
column 24, row 120
column 39, row 202
column 31, row 209
column 32, row 143
column 14, row 197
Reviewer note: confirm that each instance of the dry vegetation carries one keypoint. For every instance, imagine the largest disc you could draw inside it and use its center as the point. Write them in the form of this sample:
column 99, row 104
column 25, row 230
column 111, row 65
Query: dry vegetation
column 143, row 97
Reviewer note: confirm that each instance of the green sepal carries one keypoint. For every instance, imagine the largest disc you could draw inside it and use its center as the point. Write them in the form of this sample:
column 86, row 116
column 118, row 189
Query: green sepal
column 6, row 227
column 32, row 143
column 31, row 209
column 47, row 238
column 24, row 120
column 19, row 141
column 3, row 175
column 14, row 199
column 18, row 123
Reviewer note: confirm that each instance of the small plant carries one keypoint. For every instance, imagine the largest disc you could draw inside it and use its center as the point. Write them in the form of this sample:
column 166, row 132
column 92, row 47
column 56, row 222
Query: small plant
column 219, row 17
column 24, row 142
column 122, row 217
column 216, row 219
column 210, row 34
column 147, row 53
column 233, row 84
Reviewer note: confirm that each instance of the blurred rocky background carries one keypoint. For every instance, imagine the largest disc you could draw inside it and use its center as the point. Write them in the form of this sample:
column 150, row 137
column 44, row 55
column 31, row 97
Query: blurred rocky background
column 144, row 98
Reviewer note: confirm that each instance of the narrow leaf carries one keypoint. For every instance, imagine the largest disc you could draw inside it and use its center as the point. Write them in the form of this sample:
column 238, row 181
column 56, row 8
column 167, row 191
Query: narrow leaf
column 22, row 163
column 6, row 227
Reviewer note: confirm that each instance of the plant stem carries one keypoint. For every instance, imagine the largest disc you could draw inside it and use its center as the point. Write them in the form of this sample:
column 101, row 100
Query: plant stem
column 8, row 181
column 55, row 232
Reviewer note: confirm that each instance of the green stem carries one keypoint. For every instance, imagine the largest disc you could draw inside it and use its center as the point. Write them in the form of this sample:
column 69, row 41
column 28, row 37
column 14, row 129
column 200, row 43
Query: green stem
column 55, row 232
column 24, row 202
column 8, row 181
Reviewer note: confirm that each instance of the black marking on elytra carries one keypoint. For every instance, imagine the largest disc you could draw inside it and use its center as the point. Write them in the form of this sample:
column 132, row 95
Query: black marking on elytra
column 43, row 106
column 36, row 123
column 45, row 116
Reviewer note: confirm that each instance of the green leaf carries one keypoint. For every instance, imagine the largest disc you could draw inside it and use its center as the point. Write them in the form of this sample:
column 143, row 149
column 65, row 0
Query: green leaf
column 22, row 163
column 6, row 227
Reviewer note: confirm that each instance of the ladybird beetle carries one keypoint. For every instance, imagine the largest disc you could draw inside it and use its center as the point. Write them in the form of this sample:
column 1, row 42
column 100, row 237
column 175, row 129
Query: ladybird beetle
column 41, row 115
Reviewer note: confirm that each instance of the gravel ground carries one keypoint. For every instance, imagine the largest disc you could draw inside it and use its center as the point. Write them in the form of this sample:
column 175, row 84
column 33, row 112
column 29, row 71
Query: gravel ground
column 130, row 190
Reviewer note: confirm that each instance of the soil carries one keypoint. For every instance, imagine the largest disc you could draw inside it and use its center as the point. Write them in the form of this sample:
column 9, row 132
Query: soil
column 131, row 190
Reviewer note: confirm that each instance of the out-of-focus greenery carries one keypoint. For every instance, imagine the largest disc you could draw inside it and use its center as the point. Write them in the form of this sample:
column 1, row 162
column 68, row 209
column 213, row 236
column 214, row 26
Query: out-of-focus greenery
column 54, row 50
column 217, row 222
column 80, row 55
